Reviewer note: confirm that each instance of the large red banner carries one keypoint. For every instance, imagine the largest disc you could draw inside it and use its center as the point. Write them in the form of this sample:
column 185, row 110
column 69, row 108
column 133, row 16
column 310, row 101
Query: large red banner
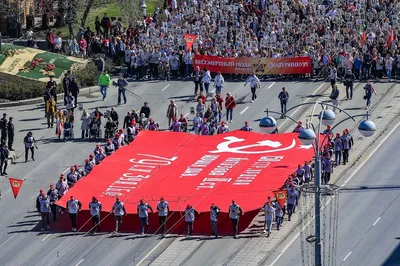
column 261, row 66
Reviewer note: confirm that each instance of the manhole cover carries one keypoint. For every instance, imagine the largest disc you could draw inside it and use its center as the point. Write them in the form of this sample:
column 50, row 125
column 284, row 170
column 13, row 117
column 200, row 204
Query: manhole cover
column 389, row 106
column 360, row 138
column 379, row 117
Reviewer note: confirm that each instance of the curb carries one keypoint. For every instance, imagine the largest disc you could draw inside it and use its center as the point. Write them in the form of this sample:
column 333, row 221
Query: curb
column 84, row 91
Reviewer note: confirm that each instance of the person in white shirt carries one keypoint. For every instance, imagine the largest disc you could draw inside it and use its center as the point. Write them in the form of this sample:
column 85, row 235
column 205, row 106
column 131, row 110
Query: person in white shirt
column 119, row 210
column 189, row 64
column 219, row 83
column 163, row 209
column 127, row 58
column 269, row 217
column 235, row 211
column 206, row 80
column 254, row 85
column 214, row 214
column 190, row 214
column 388, row 66
column 95, row 208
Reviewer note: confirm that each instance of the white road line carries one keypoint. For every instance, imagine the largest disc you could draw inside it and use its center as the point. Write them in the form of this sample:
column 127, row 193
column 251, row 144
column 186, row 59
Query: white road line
column 166, row 87
column 377, row 220
column 348, row 254
column 298, row 109
column 347, row 180
column 46, row 237
column 2, row 244
column 212, row 90
column 270, row 86
column 244, row 110
column 187, row 114
column 79, row 262
column 151, row 251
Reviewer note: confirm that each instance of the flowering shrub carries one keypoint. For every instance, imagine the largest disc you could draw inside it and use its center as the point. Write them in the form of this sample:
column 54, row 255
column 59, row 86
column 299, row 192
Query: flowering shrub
column 49, row 67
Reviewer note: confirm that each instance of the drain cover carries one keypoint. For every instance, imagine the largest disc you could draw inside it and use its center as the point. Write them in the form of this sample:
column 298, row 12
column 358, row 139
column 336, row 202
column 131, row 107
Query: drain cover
column 379, row 117
column 389, row 106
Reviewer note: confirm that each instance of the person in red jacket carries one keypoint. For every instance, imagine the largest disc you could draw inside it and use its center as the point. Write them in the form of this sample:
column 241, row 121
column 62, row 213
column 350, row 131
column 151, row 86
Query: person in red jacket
column 230, row 104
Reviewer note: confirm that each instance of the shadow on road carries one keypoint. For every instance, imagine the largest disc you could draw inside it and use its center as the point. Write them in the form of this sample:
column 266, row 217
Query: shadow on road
column 367, row 188
column 394, row 258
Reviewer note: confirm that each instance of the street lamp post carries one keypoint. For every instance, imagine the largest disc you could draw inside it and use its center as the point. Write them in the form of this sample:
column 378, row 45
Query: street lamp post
column 143, row 7
column 311, row 135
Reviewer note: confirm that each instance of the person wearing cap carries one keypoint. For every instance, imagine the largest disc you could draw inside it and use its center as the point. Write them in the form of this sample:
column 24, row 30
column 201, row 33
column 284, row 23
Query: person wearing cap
column 3, row 158
column 29, row 142
column 109, row 147
column 308, row 172
column 119, row 211
column 131, row 131
column 214, row 214
column 190, row 215
column 351, row 140
column 134, row 115
column 95, row 208
column 100, row 156
column 196, row 124
column 278, row 215
column 176, row 125
column 246, row 127
column 327, row 169
column 145, row 110
column 51, row 108
column 88, row 167
column 92, row 160
column 62, row 186
column 143, row 213
column 122, row 138
column 338, row 145
column 52, row 193
column 10, row 133
column 283, row 98
column 298, row 128
column 206, row 80
column 349, row 79
column 184, row 123
column 204, row 128
column 73, row 206
column 230, row 104
column 235, row 211
column 219, row 83
column 41, row 191
column 220, row 102
column 346, row 147
column 104, row 83
column 96, row 150
column 327, row 131
column 44, row 203
column 172, row 111
column 269, row 213
column 254, row 85
column 292, row 197
column 3, row 128
column 72, row 177
column 163, row 210
column 223, row 128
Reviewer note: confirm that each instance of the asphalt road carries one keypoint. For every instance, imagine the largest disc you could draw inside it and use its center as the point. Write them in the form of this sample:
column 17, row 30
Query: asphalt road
column 369, row 217
column 20, row 241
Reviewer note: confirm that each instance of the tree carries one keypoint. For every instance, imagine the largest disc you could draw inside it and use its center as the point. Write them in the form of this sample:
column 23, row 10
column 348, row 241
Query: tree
column 71, row 16
column 86, row 12
column 61, row 10
column 130, row 11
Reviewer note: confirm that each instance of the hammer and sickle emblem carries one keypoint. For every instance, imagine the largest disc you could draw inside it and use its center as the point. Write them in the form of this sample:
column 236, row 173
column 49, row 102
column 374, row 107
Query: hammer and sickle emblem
column 224, row 146
column 15, row 184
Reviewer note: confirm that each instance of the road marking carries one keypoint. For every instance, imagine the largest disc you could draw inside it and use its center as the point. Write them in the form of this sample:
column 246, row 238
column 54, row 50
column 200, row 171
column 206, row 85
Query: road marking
column 2, row 244
column 187, row 114
column 270, row 86
column 377, row 220
column 347, row 180
column 46, row 237
column 298, row 109
column 151, row 251
column 244, row 110
column 348, row 254
column 166, row 87
column 212, row 90
column 79, row 262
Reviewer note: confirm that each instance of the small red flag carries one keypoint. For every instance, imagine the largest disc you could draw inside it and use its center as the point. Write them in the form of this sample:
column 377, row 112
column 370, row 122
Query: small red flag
column 363, row 38
column 190, row 39
column 15, row 186
column 390, row 39
column 280, row 197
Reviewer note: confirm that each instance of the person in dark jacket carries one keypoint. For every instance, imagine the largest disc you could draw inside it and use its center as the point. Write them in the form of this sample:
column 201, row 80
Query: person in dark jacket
column 349, row 83
column 74, row 89
column 65, row 83
column 10, row 133
column 52, row 85
column 145, row 110
column 3, row 158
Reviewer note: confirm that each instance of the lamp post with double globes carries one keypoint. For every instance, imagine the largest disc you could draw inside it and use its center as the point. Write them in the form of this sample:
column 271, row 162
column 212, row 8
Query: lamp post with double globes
column 311, row 135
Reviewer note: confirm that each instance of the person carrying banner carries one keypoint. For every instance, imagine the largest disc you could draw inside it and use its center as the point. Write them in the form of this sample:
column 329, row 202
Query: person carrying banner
column 254, row 85
column 278, row 215
column 95, row 208
column 214, row 214
column 163, row 209
column 190, row 214
column 52, row 193
column 44, row 203
column 119, row 210
column 235, row 211
column 291, row 201
column 142, row 210
column 73, row 207
column 269, row 217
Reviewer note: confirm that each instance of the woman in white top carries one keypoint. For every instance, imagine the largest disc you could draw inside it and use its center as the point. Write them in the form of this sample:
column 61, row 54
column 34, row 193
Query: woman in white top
column 85, row 118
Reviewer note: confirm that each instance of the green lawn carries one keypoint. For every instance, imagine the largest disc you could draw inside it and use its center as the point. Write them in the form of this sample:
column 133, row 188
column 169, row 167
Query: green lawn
column 112, row 9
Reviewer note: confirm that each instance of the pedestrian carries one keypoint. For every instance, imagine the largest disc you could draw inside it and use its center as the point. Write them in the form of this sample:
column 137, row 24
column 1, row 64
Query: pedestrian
column 235, row 211
column 223, row 128
column 214, row 214
column 283, row 98
column 338, row 146
column 388, row 66
column 86, row 120
column 291, row 201
column 200, row 108
column 335, row 97
column 327, row 169
column 172, row 111
column 254, row 85
column 246, row 127
column 351, row 142
column 300, row 174
column 163, row 210
column 51, row 108
column 95, row 208
column 143, row 212
column 219, row 83
column 190, row 214
column 73, row 89
column 3, row 128
column 4, row 153
column 121, row 84
column 308, row 172
column 104, row 83
column 197, row 78
column 269, row 217
column 369, row 90
column 119, row 211
column 52, row 193
column 65, row 83
column 73, row 207
column 230, row 104
column 206, row 80
column 346, row 147
column 349, row 79
column 278, row 215
column 10, row 133
column 41, row 191
column 30, row 144
column 44, row 203
column 332, row 74
column 62, row 186
column 145, row 110
column 299, row 127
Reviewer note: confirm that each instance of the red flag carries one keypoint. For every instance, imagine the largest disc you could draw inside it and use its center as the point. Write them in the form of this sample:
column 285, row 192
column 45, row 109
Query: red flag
column 390, row 39
column 363, row 38
column 281, row 197
column 190, row 39
column 15, row 186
